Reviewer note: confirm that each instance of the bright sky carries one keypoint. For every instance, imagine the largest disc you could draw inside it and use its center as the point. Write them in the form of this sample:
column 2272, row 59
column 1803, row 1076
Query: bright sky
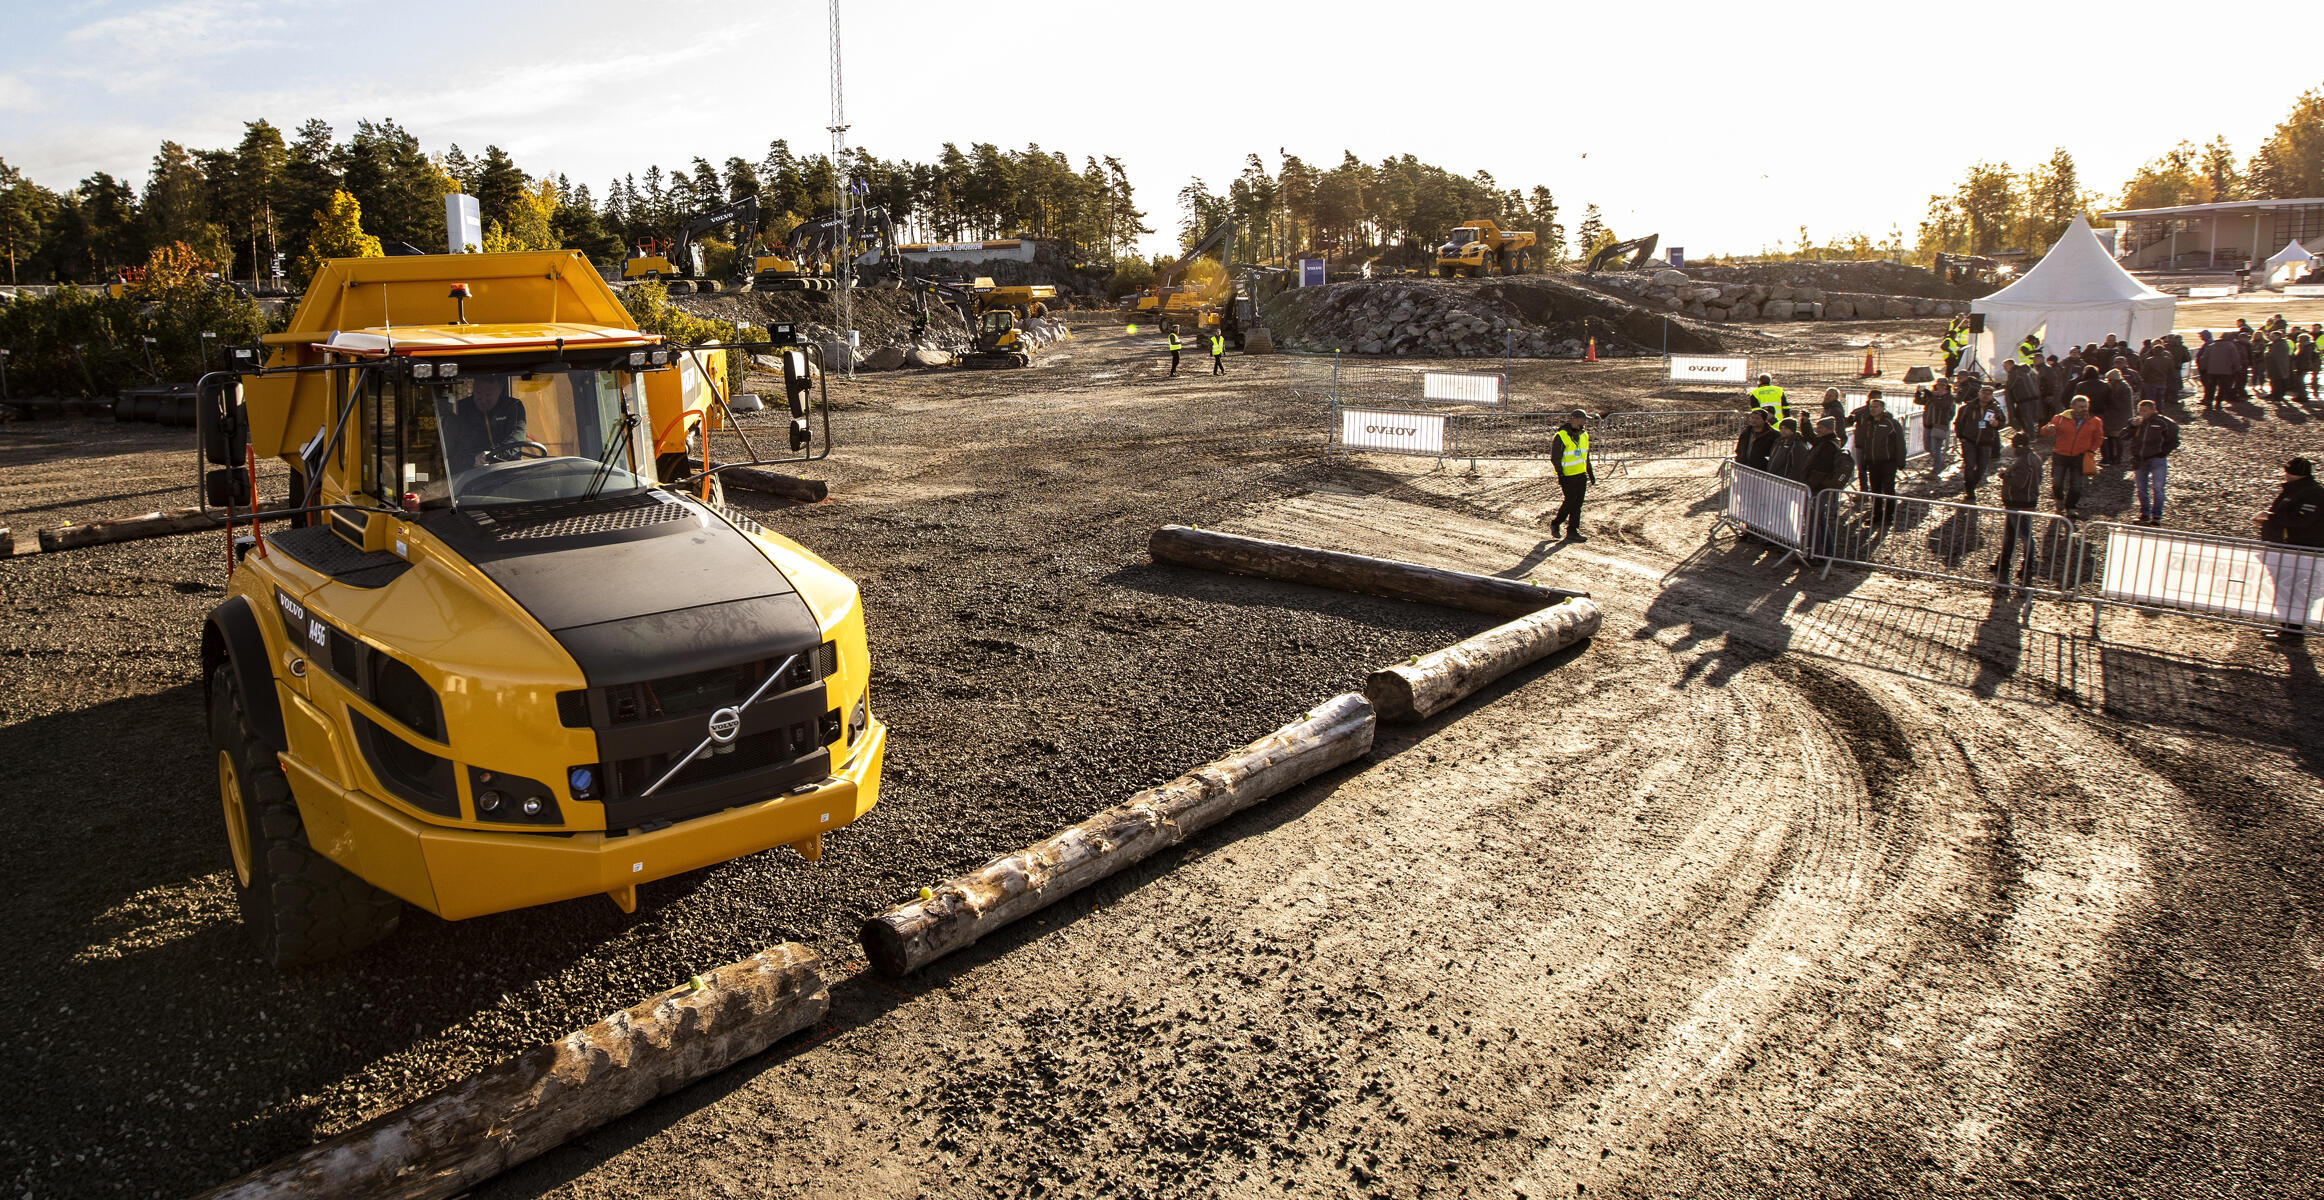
column 1721, row 126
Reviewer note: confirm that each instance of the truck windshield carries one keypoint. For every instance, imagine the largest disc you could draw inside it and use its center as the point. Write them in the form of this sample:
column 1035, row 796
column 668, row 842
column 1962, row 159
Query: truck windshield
column 520, row 438
column 1463, row 236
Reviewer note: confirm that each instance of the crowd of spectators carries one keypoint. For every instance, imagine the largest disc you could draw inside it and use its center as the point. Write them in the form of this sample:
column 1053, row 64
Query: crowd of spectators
column 2091, row 408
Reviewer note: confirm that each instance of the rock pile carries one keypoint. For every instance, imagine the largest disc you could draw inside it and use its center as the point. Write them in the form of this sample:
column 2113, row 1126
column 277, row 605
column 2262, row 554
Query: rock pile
column 1771, row 299
column 1528, row 316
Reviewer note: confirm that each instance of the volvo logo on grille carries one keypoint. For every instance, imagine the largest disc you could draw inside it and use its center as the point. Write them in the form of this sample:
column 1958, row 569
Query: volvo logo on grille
column 724, row 724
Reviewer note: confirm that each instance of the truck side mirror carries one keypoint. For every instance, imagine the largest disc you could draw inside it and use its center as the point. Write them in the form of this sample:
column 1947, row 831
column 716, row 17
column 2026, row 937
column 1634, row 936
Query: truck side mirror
column 218, row 410
column 797, row 385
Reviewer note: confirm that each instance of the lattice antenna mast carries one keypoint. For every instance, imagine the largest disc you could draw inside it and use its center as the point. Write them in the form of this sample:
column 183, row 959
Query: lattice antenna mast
column 839, row 186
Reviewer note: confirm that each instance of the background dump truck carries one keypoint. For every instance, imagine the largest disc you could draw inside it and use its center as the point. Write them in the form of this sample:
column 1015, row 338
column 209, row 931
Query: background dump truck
column 499, row 660
column 1481, row 247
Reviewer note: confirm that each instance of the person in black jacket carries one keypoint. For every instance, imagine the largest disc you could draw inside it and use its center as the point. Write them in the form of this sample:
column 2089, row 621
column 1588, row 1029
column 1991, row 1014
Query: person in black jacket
column 1938, row 408
column 1880, row 446
column 1978, row 429
column 1828, row 467
column 1790, row 455
column 1757, row 441
column 2147, row 442
column 2296, row 519
column 2021, row 494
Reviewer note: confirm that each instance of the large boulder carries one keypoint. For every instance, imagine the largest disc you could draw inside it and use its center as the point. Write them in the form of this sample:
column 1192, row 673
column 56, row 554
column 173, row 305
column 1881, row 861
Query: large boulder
column 1671, row 278
column 1837, row 309
column 1781, row 291
column 1743, row 310
column 928, row 358
column 1776, row 310
column 886, row 358
column 1896, row 308
column 1812, row 295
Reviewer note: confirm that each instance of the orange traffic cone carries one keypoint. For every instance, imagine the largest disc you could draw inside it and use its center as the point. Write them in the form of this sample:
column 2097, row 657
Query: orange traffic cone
column 1590, row 354
column 1870, row 369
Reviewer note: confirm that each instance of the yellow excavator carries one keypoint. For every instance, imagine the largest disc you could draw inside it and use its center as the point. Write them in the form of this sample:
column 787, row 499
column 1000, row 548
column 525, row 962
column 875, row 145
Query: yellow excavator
column 503, row 655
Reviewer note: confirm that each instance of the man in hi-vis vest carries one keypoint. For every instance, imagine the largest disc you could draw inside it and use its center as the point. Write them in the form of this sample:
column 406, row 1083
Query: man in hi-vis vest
column 1172, row 330
column 1571, row 449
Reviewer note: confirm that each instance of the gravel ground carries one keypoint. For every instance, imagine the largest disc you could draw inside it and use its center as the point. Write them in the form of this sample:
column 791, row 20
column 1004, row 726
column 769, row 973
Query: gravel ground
column 1861, row 885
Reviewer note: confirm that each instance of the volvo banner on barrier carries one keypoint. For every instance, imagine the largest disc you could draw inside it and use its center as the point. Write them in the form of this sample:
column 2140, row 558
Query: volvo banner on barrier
column 1699, row 369
column 1395, row 432
column 1311, row 272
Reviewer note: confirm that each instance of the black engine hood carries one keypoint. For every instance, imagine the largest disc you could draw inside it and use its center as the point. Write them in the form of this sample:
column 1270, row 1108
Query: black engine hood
column 636, row 587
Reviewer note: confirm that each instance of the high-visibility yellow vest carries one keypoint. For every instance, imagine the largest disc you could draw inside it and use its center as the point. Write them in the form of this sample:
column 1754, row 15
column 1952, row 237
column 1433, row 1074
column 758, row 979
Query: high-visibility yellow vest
column 1218, row 345
column 1573, row 454
column 2028, row 351
column 1770, row 398
column 1174, row 339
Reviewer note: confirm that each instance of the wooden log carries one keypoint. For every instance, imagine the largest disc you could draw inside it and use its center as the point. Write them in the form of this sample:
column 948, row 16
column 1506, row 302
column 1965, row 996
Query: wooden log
column 790, row 487
column 515, row 1110
column 947, row 918
column 1181, row 546
column 1434, row 682
column 7, row 543
column 148, row 525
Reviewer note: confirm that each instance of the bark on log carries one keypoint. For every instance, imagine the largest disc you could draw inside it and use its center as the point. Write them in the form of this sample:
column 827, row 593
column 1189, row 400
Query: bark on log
column 1186, row 547
column 510, row 1112
column 910, row 936
column 1436, row 681
column 149, row 525
column 790, row 487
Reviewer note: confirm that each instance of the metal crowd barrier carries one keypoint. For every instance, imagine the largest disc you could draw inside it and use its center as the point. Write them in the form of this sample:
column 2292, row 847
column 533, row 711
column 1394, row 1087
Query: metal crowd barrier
column 1635, row 436
column 1769, row 506
column 2236, row 581
column 1941, row 539
column 1339, row 382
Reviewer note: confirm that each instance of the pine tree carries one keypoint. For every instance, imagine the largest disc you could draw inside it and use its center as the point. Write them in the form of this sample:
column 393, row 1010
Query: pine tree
column 500, row 187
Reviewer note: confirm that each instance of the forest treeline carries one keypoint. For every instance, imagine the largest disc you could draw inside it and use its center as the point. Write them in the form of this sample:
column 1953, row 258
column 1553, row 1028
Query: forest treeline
column 271, row 198
column 267, row 196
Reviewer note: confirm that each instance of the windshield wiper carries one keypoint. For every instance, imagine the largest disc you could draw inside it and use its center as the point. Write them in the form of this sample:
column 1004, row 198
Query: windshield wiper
column 620, row 442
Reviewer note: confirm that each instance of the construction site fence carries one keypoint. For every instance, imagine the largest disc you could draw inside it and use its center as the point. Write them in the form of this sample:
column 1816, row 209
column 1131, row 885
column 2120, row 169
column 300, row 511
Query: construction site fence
column 1338, row 382
column 1738, row 373
column 2234, row 581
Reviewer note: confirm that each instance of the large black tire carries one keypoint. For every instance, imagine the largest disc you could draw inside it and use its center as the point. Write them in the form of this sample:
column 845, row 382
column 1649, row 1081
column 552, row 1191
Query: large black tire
column 299, row 906
column 678, row 287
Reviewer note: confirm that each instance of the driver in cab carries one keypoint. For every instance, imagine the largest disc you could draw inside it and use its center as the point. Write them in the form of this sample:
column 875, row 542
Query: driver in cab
column 487, row 426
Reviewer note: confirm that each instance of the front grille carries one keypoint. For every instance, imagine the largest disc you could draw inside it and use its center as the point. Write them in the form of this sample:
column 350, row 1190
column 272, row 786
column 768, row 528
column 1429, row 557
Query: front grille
column 612, row 514
column 697, row 692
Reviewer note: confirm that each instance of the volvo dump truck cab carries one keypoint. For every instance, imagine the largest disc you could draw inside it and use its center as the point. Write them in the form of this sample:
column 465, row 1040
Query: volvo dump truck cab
column 499, row 660
column 1481, row 247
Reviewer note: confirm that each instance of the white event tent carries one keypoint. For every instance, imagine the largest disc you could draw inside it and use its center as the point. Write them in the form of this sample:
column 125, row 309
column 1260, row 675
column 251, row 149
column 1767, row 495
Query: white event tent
column 2076, row 294
column 2288, row 262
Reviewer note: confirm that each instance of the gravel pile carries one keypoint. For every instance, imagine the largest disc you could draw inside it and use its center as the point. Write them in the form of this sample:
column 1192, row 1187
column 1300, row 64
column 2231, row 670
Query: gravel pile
column 1526, row 316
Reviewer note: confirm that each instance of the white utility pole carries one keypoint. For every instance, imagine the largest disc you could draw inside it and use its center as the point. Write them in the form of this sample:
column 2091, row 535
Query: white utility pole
column 839, row 186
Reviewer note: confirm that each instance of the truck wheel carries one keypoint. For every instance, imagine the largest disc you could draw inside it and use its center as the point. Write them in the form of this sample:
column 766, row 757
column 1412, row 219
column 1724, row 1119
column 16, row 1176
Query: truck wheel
column 299, row 906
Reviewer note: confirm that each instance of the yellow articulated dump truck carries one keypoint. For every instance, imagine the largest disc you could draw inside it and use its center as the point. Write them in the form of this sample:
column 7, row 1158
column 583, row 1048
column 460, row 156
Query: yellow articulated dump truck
column 503, row 655
column 1481, row 247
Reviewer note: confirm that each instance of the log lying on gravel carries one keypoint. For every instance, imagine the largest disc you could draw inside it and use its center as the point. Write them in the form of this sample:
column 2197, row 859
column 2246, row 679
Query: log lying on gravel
column 1186, row 547
column 149, row 525
column 515, row 1110
column 1433, row 682
column 791, row 487
column 910, row 936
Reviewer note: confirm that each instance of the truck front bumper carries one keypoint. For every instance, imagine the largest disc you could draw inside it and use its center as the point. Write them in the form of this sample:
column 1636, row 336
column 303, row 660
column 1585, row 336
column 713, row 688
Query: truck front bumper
column 458, row 873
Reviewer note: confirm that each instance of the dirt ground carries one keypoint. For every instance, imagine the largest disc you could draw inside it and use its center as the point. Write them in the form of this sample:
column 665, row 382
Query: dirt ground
column 1777, row 886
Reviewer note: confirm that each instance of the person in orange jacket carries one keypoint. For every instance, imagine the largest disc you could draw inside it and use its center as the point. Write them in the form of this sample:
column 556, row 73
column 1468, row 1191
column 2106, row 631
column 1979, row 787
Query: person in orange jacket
column 2076, row 434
